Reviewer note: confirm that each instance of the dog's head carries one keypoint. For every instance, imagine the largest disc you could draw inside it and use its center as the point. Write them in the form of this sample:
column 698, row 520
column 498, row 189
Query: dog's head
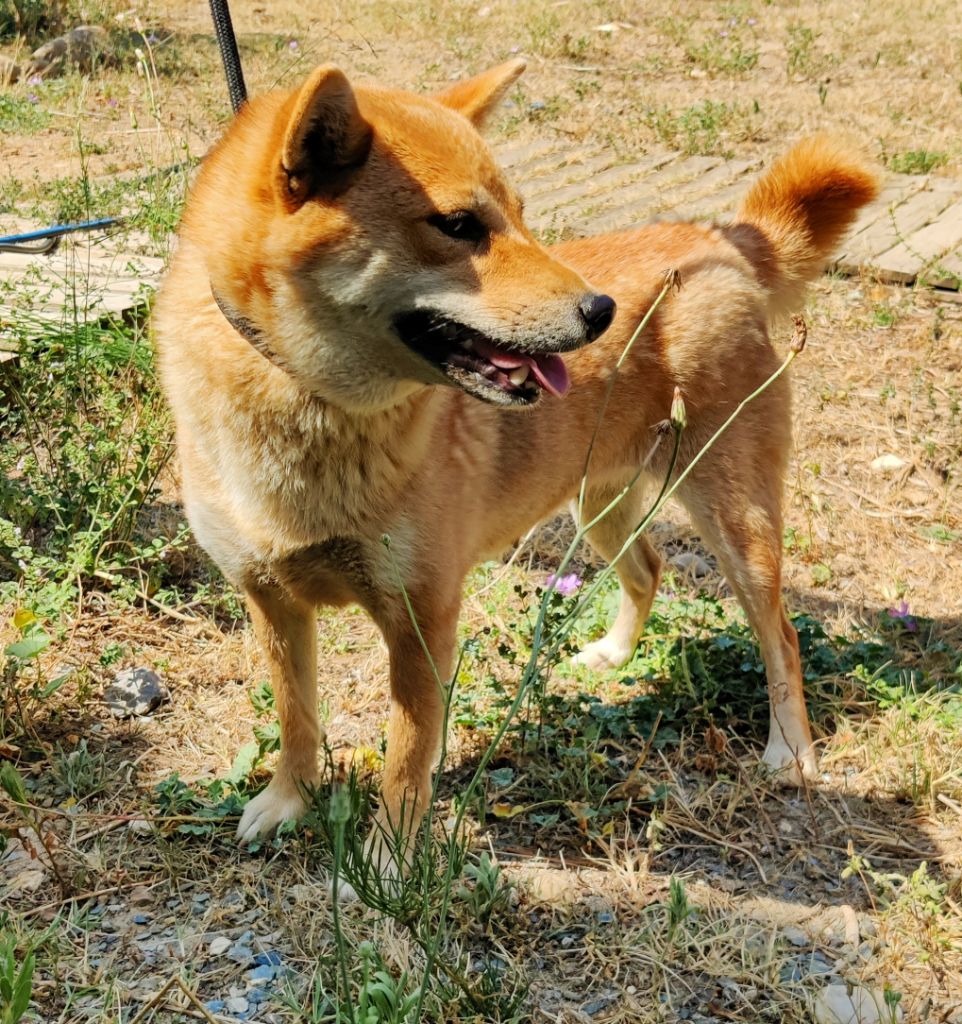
column 372, row 238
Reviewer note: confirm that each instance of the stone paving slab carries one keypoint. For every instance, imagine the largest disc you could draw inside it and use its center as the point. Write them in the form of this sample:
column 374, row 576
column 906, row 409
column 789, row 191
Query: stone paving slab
column 912, row 233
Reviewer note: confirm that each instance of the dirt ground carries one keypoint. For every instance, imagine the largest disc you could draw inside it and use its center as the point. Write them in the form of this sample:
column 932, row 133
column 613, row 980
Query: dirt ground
column 857, row 880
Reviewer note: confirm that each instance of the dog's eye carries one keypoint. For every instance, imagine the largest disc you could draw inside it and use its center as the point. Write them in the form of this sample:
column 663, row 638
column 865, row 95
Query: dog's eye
column 462, row 225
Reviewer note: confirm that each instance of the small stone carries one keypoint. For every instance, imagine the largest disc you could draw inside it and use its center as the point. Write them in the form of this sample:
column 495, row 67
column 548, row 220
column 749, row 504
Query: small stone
column 836, row 1004
column 795, row 936
column 82, row 47
column 258, row 995
column 215, row 1005
column 263, row 973
column 818, row 964
column 271, row 956
column 241, row 954
column 237, row 1004
column 791, row 973
column 599, row 1003
column 690, row 564
column 135, row 691
column 219, row 945
column 887, row 464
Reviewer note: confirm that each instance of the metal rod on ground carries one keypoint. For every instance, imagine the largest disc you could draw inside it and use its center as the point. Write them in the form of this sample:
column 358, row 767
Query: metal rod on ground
column 49, row 238
column 220, row 12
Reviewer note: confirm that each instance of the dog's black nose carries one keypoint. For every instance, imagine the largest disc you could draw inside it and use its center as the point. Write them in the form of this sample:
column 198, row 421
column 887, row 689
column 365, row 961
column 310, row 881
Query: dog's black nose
column 597, row 311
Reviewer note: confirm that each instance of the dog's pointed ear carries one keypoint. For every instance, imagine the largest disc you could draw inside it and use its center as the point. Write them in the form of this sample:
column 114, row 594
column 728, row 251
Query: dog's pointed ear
column 477, row 97
column 326, row 139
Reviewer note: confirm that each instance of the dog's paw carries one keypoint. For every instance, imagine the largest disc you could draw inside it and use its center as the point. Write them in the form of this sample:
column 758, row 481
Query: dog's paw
column 345, row 892
column 379, row 869
column 603, row 654
column 790, row 767
column 281, row 801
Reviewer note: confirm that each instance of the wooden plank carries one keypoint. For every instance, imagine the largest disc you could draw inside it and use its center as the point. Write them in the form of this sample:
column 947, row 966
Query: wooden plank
column 514, row 155
column 605, row 182
column 674, row 201
column 17, row 264
column 900, row 222
column 552, row 160
column 947, row 272
column 642, row 200
column 574, row 171
column 714, row 205
column 897, row 188
column 615, row 211
column 904, row 262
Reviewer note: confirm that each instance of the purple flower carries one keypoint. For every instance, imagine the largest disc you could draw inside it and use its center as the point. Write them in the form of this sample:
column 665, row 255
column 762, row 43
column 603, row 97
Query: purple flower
column 34, row 80
column 111, row 103
column 724, row 35
column 565, row 585
column 902, row 614
column 32, row 97
column 293, row 44
column 752, row 21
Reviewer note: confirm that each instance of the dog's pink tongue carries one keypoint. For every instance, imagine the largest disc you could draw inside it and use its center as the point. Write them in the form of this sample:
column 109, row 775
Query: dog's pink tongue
column 549, row 370
column 551, row 373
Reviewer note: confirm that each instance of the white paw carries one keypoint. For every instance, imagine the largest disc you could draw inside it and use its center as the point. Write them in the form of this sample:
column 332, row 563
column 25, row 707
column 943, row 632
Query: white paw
column 281, row 801
column 788, row 766
column 346, row 893
column 603, row 654
column 379, row 867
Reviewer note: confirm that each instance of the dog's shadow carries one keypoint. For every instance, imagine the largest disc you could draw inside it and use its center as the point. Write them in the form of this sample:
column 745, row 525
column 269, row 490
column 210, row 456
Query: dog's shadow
column 666, row 761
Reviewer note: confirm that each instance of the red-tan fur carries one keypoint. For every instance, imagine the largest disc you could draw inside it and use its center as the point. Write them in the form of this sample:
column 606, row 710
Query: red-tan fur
column 292, row 476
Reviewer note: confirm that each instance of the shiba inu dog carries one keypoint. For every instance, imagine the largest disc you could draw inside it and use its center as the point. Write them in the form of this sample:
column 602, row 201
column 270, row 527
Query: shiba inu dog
column 359, row 337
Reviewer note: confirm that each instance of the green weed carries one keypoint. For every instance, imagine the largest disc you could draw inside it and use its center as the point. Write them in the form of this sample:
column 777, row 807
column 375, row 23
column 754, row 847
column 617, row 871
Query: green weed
column 723, row 56
column 21, row 115
column 800, row 44
column 88, row 438
column 677, row 910
column 707, row 128
column 16, row 979
column 916, row 161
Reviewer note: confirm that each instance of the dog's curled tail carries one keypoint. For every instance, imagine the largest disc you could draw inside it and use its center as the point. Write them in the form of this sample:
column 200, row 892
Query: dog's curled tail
column 803, row 205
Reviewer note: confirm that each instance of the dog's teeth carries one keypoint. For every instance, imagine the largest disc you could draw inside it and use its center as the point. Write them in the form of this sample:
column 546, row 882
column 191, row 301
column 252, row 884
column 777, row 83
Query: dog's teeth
column 518, row 376
column 468, row 344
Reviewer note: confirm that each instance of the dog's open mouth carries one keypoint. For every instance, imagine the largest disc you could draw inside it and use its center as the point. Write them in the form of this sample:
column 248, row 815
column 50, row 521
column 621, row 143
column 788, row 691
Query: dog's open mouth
column 476, row 363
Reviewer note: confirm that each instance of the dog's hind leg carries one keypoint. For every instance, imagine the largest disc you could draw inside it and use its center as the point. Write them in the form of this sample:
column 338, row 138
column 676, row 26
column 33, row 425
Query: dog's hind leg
column 735, row 504
column 287, row 630
column 638, row 569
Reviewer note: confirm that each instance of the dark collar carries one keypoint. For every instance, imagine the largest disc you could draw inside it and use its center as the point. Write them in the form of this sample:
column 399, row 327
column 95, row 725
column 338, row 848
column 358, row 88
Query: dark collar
column 250, row 332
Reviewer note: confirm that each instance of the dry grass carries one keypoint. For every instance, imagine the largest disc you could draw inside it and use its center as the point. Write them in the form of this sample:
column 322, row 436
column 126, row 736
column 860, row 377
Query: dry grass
column 860, row 873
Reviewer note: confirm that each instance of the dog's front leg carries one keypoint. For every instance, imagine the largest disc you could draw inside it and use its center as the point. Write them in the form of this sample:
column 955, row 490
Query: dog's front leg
column 421, row 660
column 287, row 630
